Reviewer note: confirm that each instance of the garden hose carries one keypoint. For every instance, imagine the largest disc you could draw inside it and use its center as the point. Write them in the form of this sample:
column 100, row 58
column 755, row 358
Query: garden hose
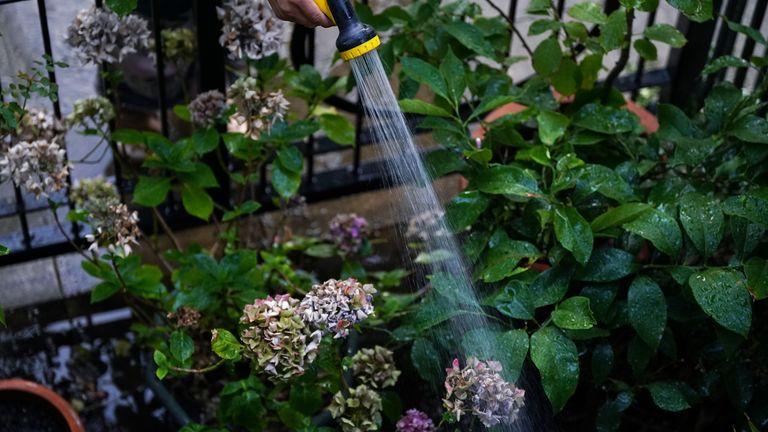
column 355, row 38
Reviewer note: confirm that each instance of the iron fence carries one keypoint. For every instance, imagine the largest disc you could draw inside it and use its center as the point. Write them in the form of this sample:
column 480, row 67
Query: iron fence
column 679, row 79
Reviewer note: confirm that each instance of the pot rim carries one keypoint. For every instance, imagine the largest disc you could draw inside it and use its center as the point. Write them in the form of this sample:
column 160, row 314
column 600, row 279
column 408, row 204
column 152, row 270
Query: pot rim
column 53, row 398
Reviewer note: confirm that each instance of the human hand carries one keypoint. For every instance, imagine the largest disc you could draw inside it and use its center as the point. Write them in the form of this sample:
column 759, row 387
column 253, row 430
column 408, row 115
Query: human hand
column 304, row 12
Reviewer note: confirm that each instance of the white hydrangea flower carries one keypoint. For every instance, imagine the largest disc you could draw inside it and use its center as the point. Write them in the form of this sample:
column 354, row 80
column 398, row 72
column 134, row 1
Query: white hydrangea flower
column 258, row 110
column 336, row 305
column 40, row 124
column 117, row 229
column 250, row 29
column 207, row 107
column 40, row 167
column 100, row 35
column 426, row 225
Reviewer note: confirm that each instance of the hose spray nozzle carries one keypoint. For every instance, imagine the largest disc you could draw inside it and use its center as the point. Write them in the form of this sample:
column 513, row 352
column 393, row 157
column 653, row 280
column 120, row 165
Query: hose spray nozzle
column 355, row 38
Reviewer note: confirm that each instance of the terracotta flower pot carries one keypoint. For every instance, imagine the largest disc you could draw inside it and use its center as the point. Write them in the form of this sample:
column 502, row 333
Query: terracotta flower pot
column 45, row 396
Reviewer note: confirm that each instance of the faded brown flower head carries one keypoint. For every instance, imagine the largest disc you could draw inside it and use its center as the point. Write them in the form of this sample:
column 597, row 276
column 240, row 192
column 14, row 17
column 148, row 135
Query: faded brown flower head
column 99, row 35
column 375, row 367
column 39, row 167
column 337, row 305
column 277, row 339
column 259, row 111
column 207, row 107
column 116, row 228
column 359, row 411
column 40, row 124
column 185, row 317
column 250, row 29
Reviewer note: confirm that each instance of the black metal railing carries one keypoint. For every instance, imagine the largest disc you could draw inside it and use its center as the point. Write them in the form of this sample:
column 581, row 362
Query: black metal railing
column 679, row 78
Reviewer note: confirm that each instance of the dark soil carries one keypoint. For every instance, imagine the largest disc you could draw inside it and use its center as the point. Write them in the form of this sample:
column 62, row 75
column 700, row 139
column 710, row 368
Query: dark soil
column 20, row 412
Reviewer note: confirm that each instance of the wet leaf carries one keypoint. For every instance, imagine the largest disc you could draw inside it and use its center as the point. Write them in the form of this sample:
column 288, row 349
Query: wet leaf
column 181, row 345
column 703, row 221
column 722, row 294
column 557, row 360
column 618, row 216
column 547, row 57
column 660, row 229
column 756, row 270
column 573, row 232
column 151, row 191
column 668, row 395
column 605, row 265
column 574, row 313
column 225, row 345
column 665, row 33
column 647, row 310
column 464, row 209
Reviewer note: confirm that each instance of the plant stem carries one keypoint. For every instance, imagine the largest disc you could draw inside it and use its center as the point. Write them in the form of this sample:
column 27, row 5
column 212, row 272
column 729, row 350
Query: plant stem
column 66, row 236
column 512, row 25
column 199, row 371
column 167, row 229
column 624, row 57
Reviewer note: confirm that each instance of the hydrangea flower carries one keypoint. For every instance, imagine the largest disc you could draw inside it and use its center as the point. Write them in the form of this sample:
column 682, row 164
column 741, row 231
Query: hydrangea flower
column 415, row 421
column 179, row 45
column 100, row 35
column 250, row 29
column 337, row 305
column 94, row 195
column 185, row 317
column 258, row 110
column 277, row 338
column 375, row 367
column 117, row 229
column 39, row 166
column 359, row 411
column 426, row 225
column 207, row 107
column 40, row 124
column 349, row 231
column 480, row 390
column 98, row 110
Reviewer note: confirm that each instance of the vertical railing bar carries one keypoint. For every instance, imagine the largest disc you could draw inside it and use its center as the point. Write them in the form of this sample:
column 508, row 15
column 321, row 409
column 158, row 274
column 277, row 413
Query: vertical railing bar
column 560, row 7
column 512, row 13
column 749, row 45
column 641, row 62
column 160, row 64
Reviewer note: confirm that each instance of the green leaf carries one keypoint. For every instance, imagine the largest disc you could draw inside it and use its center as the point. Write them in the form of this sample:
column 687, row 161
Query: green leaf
column 665, row 33
column 206, row 140
column 503, row 256
column 551, row 285
column 151, row 191
column 200, row 176
column 660, row 229
column 756, row 270
column 196, row 201
column 121, row 7
column 128, row 136
column 722, row 294
column 564, row 79
column 574, row 313
column 606, row 265
column 673, row 123
column 225, row 345
column 162, row 364
column 452, row 71
column 752, row 33
column 573, row 232
column 557, row 359
column 426, row 360
column 245, row 208
column 182, row 112
column 751, row 128
column 552, row 125
column 646, row 49
column 510, row 348
column 752, row 205
column 322, row 250
column 722, row 62
column 4, row 250
column 490, row 103
column 605, row 119
column 507, row 180
column 305, row 398
column 693, row 151
column 338, row 128
column 291, row 159
column 647, row 310
column 668, row 395
column 416, row 106
column 424, row 73
column 703, row 221
column 602, row 362
column 285, row 181
column 697, row 10
column 619, row 215
column 104, row 291
column 547, row 57
column 182, row 346
column 613, row 32
column 2, row 317
column 588, row 12
column 471, row 37
column 464, row 209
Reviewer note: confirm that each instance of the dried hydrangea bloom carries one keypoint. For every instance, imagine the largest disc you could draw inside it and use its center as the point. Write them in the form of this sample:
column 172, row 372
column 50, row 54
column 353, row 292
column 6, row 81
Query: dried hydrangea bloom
column 337, row 305
column 40, row 167
column 415, row 421
column 185, row 317
column 91, row 113
column 426, row 225
column 40, row 124
column 179, row 45
column 117, row 229
column 100, row 35
column 280, row 342
column 359, row 411
column 95, row 196
column 259, row 111
column 207, row 107
column 250, row 29
column 480, row 390
column 375, row 367
column 348, row 231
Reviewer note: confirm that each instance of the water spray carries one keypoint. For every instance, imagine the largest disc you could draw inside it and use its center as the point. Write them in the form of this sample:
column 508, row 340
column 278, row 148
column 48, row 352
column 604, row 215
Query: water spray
column 355, row 38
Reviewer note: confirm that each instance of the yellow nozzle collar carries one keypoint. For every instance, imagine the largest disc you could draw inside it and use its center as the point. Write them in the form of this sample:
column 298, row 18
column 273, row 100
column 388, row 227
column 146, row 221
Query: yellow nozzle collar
column 361, row 49
column 323, row 5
